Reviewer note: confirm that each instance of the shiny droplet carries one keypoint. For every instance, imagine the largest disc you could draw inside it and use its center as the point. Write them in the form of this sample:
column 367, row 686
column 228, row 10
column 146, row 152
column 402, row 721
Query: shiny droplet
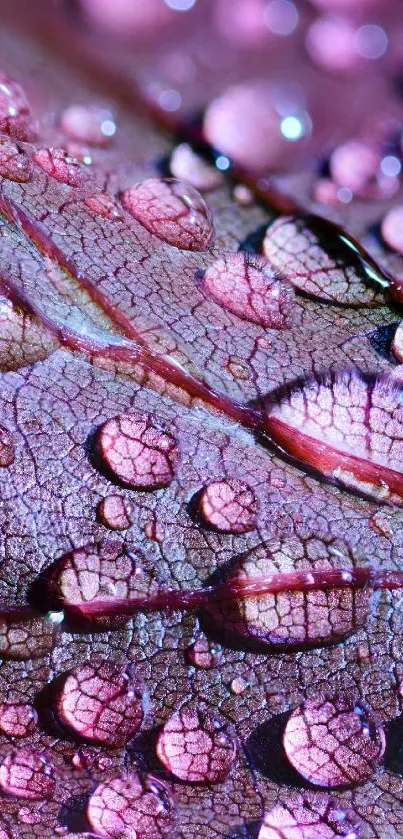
column 88, row 124
column 355, row 165
column 15, row 113
column 22, row 638
column 115, row 512
column 17, row 719
column 247, row 286
column 15, row 164
column 7, row 448
column 188, row 166
column 196, row 747
column 284, row 620
column 228, row 505
column 104, row 205
column 334, row 741
column 172, row 210
column 238, row 686
column 397, row 346
column 96, row 572
column 101, row 702
column 27, row 774
column 309, row 817
column 243, row 195
column 203, row 653
column 155, row 531
column 130, row 807
column 392, row 228
column 58, row 164
column 138, row 452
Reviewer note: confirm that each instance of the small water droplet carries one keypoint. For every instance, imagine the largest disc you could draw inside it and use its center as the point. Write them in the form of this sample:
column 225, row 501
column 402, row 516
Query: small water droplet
column 27, row 774
column 188, row 166
column 138, row 452
column 196, row 747
column 7, row 449
column 203, row 653
column 15, row 114
column 155, row 531
column 17, row 719
column 130, row 807
column 172, row 210
column 58, row 164
column 228, row 505
column 115, row 512
column 15, row 164
column 104, row 205
column 243, row 195
column 334, row 741
column 101, row 702
column 238, row 686
column 89, row 124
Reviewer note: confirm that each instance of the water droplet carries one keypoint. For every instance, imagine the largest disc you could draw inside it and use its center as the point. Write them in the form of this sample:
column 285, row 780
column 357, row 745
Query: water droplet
column 96, row 572
column 334, row 741
column 196, row 747
column 101, row 702
column 228, row 505
column 203, row 653
column 173, row 211
column 15, row 165
column 15, row 114
column 355, row 165
column 58, row 164
column 188, row 166
column 17, row 719
column 285, row 620
column 131, row 808
column 238, row 686
column 104, row 205
column 115, row 512
column 243, row 195
column 7, row 448
column 22, row 637
column 247, row 286
column 391, row 228
column 88, row 124
column 308, row 817
column 138, row 452
column 330, row 42
column 154, row 531
column 27, row 774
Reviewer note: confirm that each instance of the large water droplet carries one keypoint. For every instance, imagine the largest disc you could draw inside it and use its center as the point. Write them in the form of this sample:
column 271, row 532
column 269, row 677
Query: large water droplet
column 58, row 164
column 15, row 114
column 17, row 719
column 104, row 205
column 15, row 164
column 309, row 817
column 196, row 747
column 115, row 512
column 247, row 286
column 228, row 505
column 130, row 807
column 188, row 166
column 286, row 619
column 137, row 451
column 89, row 124
column 334, row 741
column 96, row 572
column 172, row 210
column 101, row 702
column 7, row 448
column 27, row 774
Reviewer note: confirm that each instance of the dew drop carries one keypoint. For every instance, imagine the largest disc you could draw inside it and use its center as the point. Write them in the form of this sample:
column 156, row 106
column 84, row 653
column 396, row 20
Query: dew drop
column 115, row 512
column 172, row 210
column 104, row 205
column 228, row 505
column 96, row 572
column 15, row 114
column 308, row 817
column 247, row 286
column 154, row 531
column 243, row 195
column 130, row 807
column 58, row 164
column 238, row 686
column 138, row 452
column 15, row 164
column 203, row 653
column 355, row 165
column 101, row 702
column 7, row 448
column 391, row 228
column 17, row 719
column 22, row 638
column 27, row 774
column 196, row 747
column 88, row 124
column 188, row 166
column 334, row 741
